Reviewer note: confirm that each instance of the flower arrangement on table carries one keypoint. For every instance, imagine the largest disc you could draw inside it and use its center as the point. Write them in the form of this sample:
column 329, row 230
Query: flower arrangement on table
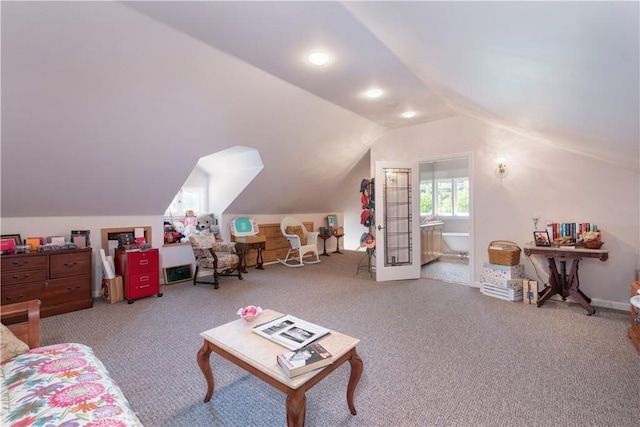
column 249, row 313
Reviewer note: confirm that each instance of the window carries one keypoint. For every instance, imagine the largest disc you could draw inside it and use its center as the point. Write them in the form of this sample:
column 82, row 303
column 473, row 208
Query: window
column 450, row 198
column 188, row 198
column 426, row 198
column 461, row 197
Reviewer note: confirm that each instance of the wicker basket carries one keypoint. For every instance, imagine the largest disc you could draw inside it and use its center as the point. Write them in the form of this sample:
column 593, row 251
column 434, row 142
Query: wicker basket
column 509, row 254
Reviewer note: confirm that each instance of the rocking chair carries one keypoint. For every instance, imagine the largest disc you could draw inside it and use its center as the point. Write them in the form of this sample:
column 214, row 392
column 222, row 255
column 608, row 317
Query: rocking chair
column 219, row 257
column 302, row 242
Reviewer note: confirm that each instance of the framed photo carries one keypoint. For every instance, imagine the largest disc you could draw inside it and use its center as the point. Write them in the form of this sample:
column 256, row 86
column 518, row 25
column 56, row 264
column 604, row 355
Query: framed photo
column 332, row 220
column 179, row 273
column 15, row 237
column 541, row 238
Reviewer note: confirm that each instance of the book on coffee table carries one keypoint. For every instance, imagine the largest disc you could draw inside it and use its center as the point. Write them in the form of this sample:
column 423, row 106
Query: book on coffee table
column 291, row 332
column 308, row 358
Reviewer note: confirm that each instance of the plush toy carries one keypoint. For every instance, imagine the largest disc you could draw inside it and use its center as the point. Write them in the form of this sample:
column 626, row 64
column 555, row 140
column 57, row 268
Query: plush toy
column 189, row 231
column 190, row 218
column 205, row 222
column 179, row 226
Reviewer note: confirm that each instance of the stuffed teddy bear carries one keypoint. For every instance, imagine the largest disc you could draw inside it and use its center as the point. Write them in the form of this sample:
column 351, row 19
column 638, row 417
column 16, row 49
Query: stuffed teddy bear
column 189, row 230
column 205, row 222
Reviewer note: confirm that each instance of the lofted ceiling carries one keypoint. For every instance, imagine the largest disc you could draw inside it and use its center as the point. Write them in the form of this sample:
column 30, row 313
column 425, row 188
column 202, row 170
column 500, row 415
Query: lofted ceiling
column 565, row 71
column 99, row 95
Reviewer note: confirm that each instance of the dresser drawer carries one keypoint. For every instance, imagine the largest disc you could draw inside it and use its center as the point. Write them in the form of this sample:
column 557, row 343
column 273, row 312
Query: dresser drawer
column 270, row 231
column 23, row 276
column 274, row 255
column 70, row 264
column 142, row 262
column 66, row 290
column 277, row 243
column 25, row 262
column 142, row 285
column 20, row 293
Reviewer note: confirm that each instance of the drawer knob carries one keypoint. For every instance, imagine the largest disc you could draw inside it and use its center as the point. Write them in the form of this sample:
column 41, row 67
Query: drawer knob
column 66, row 264
column 17, row 263
column 18, row 278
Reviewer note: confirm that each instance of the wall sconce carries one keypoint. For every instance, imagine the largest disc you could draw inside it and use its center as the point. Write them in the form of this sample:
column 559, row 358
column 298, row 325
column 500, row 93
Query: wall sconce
column 501, row 170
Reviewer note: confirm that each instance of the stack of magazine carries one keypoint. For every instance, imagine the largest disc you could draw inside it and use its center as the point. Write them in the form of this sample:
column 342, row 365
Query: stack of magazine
column 300, row 337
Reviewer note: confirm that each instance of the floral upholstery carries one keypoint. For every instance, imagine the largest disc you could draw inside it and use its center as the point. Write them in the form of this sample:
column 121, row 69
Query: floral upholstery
column 220, row 257
column 62, row 384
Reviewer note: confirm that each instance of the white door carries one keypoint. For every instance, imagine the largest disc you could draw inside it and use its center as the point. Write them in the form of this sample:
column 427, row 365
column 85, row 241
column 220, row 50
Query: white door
column 397, row 221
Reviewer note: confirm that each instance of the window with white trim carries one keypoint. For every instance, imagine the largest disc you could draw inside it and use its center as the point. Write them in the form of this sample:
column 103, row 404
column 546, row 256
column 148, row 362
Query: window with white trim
column 188, row 198
column 445, row 197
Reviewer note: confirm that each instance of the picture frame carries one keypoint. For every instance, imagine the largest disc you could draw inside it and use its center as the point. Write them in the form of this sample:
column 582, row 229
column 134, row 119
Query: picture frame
column 541, row 238
column 178, row 273
column 15, row 237
column 332, row 220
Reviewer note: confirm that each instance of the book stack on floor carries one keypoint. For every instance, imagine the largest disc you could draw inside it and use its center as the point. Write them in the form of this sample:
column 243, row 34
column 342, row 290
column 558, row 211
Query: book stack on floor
column 502, row 281
column 308, row 358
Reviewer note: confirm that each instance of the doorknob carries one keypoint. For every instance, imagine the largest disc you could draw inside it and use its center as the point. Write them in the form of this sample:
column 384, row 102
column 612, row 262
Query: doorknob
column 380, row 227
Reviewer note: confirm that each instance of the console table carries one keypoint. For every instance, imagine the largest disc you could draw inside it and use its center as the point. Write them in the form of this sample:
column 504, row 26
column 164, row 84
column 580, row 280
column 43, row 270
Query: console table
column 559, row 282
column 243, row 249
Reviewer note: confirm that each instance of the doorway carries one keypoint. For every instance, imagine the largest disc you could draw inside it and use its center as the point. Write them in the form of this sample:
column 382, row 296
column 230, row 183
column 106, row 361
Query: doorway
column 445, row 210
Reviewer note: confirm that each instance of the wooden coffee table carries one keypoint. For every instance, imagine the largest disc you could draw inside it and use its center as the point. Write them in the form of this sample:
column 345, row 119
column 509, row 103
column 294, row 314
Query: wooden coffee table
column 236, row 342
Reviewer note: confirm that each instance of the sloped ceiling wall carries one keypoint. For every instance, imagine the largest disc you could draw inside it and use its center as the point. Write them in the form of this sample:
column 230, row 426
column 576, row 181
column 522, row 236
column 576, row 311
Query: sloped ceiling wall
column 106, row 112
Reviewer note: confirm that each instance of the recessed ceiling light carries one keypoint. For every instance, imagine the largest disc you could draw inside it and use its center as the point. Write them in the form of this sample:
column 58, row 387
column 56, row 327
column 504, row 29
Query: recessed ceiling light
column 318, row 58
column 408, row 114
column 374, row 93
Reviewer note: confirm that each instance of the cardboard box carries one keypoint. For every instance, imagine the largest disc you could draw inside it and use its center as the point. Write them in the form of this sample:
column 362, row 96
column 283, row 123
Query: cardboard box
column 112, row 290
column 503, row 283
column 503, row 271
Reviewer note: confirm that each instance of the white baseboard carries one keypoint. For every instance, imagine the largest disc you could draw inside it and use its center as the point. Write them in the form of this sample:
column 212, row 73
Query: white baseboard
column 623, row 306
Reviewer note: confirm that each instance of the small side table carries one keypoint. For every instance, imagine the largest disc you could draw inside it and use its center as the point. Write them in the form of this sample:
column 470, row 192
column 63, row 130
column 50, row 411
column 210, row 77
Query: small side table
column 244, row 248
column 324, row 243
column 338, row 236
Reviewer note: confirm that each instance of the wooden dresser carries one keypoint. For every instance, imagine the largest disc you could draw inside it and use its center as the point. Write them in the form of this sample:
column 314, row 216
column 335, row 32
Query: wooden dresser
column 61, row 280
column 634, row 329
column 276, row 245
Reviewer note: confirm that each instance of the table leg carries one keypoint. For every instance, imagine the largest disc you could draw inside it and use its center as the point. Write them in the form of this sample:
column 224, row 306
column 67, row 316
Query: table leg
column 554, row 282
column 575, row 292
column 296, row 408
column 324, row 245
column 337, row 251
column 259, row 261
column 242, row 264
column 205, row 367
column 356, row 371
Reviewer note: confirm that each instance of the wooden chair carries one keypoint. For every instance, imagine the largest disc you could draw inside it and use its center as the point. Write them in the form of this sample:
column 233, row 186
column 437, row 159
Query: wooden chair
column 23, row 319
column 220, row 258
column 302, row 241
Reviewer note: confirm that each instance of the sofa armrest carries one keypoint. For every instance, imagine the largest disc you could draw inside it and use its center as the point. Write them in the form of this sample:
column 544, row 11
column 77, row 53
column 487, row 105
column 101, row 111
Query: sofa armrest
column 27, row 330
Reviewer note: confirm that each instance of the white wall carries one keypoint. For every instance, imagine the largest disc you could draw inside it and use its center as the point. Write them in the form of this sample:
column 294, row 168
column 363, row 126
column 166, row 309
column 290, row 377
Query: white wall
column 561, row 186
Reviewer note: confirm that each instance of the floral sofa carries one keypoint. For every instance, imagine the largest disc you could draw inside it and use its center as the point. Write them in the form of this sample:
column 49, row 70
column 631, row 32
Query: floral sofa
column 58, row 385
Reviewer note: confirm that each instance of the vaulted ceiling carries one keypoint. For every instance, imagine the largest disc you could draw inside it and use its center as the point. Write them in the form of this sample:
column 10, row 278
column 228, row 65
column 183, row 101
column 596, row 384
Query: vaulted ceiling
column 98, row 95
